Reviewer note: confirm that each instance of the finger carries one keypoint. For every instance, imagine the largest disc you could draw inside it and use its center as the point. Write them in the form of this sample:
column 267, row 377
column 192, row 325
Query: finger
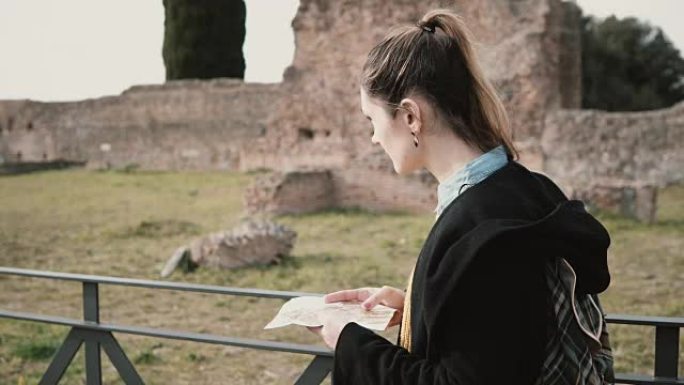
column 375, row 299
column 396, row 318
column 343, row 296
column 339, row 296
column 347, row 295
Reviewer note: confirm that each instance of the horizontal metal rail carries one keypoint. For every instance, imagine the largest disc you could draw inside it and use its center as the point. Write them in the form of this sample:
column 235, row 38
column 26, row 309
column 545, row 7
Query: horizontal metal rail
column 171, row 334
column 98, row 335
column 639, row 379
column 628, row 319
column 150, row 284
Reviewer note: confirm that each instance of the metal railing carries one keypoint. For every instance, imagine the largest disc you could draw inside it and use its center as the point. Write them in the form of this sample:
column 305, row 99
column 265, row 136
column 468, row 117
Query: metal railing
column 97, row 335
column 666, row 363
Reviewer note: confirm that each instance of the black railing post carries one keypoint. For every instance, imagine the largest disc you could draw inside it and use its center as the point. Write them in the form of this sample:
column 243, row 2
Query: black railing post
column 62, row 359
column 91, row 313
column 316, row 372
column 666, row 351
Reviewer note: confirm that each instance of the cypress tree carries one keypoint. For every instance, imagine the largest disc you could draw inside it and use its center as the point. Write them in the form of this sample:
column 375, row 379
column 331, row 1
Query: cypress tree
column 203, row 39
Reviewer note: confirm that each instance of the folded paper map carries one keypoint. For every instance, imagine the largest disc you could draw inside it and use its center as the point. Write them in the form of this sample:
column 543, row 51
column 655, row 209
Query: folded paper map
column 309, row 311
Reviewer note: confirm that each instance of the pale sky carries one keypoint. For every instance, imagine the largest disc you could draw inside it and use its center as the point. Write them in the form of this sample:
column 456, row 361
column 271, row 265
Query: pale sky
column 77, row 49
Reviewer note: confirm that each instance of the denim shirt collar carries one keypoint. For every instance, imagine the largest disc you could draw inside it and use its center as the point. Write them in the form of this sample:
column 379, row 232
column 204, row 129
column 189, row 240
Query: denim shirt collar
column 472, row 173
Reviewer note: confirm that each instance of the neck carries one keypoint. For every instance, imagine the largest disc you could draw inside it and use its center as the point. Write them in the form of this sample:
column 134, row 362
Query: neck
column 447, row 153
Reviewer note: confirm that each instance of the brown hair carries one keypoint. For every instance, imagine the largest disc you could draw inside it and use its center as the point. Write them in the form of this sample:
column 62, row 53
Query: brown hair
column 435, row 59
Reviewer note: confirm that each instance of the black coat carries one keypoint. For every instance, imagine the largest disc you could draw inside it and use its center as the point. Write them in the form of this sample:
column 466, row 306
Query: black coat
column 480, row 304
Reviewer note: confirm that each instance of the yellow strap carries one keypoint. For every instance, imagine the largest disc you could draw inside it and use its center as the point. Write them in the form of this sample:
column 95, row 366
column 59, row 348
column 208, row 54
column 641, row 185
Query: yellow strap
column 405, row 337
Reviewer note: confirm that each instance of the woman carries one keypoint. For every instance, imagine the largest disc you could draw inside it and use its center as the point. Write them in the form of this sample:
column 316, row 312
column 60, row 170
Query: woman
column 503, row 290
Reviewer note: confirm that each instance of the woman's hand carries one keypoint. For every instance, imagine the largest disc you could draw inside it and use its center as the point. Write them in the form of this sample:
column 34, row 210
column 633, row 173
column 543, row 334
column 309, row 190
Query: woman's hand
column 330, row 330
column 369, row 297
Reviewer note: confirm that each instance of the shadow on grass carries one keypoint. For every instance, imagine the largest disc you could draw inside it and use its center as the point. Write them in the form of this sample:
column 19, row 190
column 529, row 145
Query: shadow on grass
column 159, row 229
column 347, row 211
column 289, row 263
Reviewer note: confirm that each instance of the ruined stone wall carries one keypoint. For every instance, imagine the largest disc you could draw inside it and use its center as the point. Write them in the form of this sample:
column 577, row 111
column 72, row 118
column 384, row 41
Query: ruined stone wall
column 178, row 125
column 297, row 192
column 317, row 123
column 615, row 160
column 523, row 46
column 591, row 145
column 382, row 191
column 290, row 192
column 530, row 49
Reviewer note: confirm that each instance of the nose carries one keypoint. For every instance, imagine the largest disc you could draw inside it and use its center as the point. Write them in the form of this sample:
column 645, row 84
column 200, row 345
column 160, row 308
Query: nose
column 374, row 139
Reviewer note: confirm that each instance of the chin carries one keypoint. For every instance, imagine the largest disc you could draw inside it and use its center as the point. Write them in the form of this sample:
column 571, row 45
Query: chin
column 403, row 169
column 397, row 170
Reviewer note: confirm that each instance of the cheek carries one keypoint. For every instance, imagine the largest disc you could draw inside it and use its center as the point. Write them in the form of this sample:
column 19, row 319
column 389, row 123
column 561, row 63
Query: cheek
column 386, row 138
column 393, row 136
column 387, row 131
column 396, row 146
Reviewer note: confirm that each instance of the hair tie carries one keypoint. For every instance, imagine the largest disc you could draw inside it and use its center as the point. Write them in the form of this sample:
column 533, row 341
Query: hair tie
column 428, row 29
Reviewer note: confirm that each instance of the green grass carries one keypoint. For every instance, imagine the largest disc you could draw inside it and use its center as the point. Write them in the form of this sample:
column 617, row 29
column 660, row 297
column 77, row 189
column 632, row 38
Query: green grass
column 148, row 356
column 36, row 350
column 129, row 223
column 40, row 347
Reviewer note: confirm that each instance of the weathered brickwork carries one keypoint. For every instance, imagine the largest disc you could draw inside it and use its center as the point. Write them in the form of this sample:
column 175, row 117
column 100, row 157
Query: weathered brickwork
column 617, row 161
column 178, row 125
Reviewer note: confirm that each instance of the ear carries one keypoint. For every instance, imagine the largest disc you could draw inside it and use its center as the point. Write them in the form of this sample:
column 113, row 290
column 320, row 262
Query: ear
column 411, row 114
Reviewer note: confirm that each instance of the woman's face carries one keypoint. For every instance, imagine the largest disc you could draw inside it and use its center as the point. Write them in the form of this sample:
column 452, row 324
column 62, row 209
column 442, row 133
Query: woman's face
column 393, row 134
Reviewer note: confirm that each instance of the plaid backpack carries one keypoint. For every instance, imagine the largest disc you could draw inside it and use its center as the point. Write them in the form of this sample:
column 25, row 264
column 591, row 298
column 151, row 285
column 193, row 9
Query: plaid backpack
column 578, row 350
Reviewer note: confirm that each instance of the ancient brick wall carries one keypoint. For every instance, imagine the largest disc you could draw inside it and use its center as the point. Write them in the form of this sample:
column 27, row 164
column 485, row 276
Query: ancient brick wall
column 178, row 125
column 593, row 145
column 615, row 160
column 199, row 125
column 530, row 49
column 290, row 192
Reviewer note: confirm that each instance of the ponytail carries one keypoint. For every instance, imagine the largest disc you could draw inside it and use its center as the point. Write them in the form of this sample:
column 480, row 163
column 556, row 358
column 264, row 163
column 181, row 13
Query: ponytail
column 435, row 59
